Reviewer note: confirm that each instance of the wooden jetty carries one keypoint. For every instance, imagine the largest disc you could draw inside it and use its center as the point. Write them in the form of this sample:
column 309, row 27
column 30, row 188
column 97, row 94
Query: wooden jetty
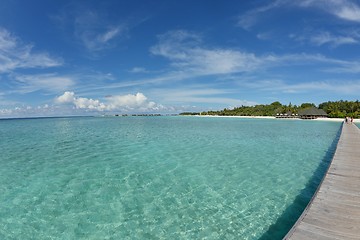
column 334, row 211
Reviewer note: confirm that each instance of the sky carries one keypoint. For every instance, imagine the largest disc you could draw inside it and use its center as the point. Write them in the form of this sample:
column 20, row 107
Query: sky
column 60, row 58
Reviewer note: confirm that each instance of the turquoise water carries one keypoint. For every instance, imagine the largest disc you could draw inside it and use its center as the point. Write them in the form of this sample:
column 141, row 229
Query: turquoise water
column 158, row 177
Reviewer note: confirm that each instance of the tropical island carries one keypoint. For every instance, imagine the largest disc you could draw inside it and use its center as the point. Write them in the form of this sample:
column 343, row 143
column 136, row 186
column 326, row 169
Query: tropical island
column 332, row 109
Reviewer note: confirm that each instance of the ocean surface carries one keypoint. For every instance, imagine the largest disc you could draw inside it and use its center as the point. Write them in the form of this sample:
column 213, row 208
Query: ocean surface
column 158, row 177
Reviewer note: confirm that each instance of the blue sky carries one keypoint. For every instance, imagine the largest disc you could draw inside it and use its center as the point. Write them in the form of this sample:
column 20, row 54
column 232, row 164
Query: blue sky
column 96, row 57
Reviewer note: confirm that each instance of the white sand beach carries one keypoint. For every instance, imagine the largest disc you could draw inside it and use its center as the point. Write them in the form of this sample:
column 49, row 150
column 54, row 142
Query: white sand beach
column 263, row 117
column 336, row 120
column 271, row 117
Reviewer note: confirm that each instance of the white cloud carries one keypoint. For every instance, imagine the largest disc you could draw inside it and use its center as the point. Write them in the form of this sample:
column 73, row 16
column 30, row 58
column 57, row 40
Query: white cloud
column 348, row 10
column 349, row 87
column 79, row 102
column 184, row 50
column 94, row 41
column 250, row 18
column 129, row 102
column 94, row 32
column 138, row 70
column 190, row 59
column 327, row 38
column 86, row 103
column 320, row 38
column 345, row 9
column 201, row 94
column 174, row 44
column 29, row 111
column 110, row 34
column 67, row 97
column 14, row 54
column 264, row 35
column 50, row 82
column 6, row 112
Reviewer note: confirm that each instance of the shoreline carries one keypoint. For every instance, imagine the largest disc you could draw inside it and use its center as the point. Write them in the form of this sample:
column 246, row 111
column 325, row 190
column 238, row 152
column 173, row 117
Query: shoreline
column 271, row 117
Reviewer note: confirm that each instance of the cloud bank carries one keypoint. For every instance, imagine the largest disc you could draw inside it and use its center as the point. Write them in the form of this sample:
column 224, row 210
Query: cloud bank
column 129, row 102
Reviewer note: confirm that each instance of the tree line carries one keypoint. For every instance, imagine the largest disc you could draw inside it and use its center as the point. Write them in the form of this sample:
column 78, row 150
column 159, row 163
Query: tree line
column 335, row 109
column 341, row 109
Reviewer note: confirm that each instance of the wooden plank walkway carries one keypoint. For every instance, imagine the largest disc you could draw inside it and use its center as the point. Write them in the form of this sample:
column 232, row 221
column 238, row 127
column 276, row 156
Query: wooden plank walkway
column 334, row 211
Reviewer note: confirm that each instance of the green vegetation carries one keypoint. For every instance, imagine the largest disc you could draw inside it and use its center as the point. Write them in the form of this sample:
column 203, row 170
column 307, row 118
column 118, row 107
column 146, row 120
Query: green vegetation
column 341, row 109
column 338, row 109
column 189, row 113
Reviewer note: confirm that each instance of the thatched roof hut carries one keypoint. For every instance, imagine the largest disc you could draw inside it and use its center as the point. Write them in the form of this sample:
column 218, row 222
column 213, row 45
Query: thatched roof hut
column 312, row 113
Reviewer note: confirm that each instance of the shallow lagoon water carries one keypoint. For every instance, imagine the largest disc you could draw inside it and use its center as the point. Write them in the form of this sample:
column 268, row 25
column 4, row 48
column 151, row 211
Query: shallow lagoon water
column 158, row 177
